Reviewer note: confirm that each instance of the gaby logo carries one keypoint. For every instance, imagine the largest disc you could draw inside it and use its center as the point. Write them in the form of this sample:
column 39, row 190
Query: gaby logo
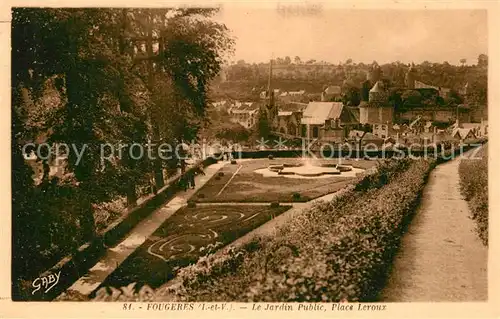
column 46, row 282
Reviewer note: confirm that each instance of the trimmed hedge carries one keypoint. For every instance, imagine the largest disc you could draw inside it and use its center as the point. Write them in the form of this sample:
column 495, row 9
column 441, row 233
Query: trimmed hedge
column 474, row 187
column 341, row 250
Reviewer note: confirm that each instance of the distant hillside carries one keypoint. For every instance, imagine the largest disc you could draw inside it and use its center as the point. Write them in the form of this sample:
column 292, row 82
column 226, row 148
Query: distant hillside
column 240, row 79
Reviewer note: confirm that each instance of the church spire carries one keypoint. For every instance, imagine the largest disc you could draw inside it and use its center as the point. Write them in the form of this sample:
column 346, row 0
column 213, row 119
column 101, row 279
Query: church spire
column 270, row 90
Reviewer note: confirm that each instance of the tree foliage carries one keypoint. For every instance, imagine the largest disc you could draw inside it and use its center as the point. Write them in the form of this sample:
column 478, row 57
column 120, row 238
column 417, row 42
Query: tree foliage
column 118, row 76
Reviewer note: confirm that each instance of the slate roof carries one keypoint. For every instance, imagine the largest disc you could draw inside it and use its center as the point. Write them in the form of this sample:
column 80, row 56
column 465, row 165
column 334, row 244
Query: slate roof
column 292, row 107
column 355, row 112
column 319, row 112
column 378, row 87
column 336, row 110
column 462, row 132
column 245, row 108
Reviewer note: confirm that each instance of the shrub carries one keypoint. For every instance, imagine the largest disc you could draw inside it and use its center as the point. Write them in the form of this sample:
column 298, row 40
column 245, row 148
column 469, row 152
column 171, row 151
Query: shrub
column 220, row 174
column 217, row 178
column 233, row 162
column 333, row 251
column 296, row 196
column 275, row 204
column 474, row 187
column 191, row 204
column 270, row 156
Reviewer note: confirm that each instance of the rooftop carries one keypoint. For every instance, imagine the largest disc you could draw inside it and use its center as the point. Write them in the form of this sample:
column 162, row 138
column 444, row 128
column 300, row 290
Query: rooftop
column 333, row 89
column 319, row 112
column 378, row 87
column 292, row 107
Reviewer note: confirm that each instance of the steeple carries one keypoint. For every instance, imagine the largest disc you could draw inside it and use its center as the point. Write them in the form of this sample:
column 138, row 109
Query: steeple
column 270, row 90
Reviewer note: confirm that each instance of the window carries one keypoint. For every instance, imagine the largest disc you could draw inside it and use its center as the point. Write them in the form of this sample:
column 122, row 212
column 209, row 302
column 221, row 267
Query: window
column 315, row 132
column 376, row 127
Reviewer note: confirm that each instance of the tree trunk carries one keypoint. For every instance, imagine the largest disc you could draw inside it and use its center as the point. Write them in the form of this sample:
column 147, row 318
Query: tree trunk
column 157, row 164
column 131, row 196
column 87, row 223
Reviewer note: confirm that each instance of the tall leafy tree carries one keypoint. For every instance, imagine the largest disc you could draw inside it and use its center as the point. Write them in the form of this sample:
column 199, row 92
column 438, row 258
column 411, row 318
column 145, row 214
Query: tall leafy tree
column 106, row 95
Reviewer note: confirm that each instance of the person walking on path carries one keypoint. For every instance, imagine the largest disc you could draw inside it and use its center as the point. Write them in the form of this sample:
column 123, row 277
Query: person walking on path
column 190, row 176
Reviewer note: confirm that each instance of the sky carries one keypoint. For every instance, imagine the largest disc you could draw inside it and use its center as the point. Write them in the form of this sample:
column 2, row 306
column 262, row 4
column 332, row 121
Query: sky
column 335, row 35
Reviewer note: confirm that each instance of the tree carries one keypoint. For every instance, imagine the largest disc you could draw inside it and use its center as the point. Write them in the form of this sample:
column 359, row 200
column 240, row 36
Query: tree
column 287, row 60
column 352, row 97
column 463, row 61
column 411, row 98
column 453, row 98
column 348, row 61
column 232, row 132
column 482, row 60
column 297, row 60
column 263, row 127
column 107, row 96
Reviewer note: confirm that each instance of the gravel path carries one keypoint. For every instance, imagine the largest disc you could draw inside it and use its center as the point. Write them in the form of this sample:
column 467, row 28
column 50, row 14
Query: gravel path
column 441, row 257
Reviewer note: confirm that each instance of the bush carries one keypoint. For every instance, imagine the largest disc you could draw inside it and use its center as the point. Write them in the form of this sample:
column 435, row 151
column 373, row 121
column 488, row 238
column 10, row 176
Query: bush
column 334, row 251
column 217, row 178
column 220, row 174
column 296, row 196
column 270, row 157
column 474, row 187
column 191, row 204
column 275, row 204
column 233, row 162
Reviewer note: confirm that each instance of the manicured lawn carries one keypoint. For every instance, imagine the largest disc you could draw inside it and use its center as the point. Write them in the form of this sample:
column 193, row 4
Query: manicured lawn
column 182, row 239
column 248, row 186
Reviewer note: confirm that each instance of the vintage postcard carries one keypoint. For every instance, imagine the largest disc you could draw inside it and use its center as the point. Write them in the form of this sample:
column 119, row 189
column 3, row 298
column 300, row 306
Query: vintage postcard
column 246, row 159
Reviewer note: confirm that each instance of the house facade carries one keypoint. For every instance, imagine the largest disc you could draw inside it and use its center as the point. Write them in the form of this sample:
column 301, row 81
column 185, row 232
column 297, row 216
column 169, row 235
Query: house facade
column 245, row 114
column 329, row 121
column 331, row 93
column 289, row 118
column 377, row 111
column 292, row 96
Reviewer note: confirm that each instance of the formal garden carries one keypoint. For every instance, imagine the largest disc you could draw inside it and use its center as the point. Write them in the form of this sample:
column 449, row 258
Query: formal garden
column 242, row 182
column 333, row 251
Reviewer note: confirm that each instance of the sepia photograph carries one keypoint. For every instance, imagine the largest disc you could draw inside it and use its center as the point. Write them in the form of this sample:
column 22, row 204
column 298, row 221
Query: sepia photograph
column 292, row 156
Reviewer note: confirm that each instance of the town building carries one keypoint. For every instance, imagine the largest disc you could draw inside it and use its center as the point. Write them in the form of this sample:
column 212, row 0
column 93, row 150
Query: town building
column 463, row 134
column 245, row 114
column 222, row 106
column 292, row 96
column 289, row 118
column 331, row 93
column 377, row 110
column 329, row 121
column 443, row 92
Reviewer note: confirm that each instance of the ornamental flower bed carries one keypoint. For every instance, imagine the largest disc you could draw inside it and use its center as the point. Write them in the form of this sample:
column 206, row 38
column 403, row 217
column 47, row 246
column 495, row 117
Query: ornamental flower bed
column 335, row 251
